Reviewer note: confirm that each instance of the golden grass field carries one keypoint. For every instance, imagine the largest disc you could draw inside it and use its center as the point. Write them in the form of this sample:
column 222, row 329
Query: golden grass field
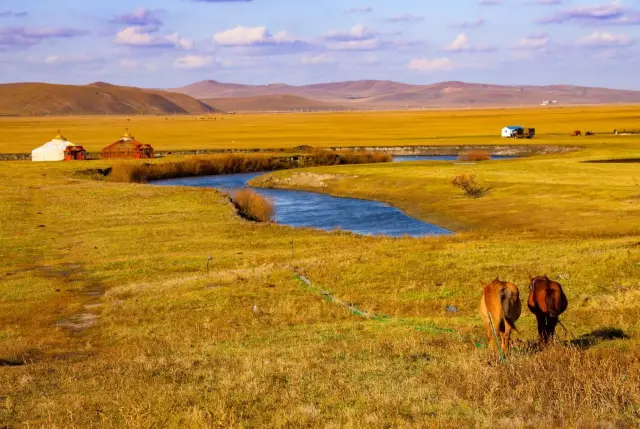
column 21, row 135
column 242, row 343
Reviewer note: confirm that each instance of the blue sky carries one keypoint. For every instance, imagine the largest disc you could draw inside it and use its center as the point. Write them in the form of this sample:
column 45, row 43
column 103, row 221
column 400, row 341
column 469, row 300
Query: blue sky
column 167, row 43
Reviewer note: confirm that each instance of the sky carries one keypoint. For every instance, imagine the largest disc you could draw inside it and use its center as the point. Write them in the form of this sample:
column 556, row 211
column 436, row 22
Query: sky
column 171, row 43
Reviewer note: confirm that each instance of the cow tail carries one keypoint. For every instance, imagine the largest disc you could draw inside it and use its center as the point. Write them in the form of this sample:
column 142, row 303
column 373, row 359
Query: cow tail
column 511, row 314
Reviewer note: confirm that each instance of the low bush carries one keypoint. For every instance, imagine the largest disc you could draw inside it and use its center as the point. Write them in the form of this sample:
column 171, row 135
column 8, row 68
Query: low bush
column 475, row 155
column 253, row 206
column 469, row 184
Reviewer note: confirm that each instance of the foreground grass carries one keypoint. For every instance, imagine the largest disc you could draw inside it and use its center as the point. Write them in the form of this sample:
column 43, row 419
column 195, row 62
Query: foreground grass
column 239, row 342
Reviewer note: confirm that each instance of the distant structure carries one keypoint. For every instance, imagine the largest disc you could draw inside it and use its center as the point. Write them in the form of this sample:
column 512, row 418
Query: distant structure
column 127, row 148
column 58, row 149
column 518, row 132
column 511, row 130
column 548, row 102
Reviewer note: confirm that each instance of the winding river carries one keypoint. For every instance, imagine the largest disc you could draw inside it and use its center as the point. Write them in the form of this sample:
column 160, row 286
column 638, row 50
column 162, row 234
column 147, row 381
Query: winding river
column 321, row 211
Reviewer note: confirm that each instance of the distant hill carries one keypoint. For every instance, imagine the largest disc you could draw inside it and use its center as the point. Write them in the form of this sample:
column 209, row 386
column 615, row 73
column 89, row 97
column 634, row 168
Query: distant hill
column 372, row 94
column 25, row 99
column 276, row 102
column 323, row 91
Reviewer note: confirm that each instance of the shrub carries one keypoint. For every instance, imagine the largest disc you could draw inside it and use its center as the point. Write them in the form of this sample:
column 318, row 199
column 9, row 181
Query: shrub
column 468, row 183
column 475, row 155
column 253, row 206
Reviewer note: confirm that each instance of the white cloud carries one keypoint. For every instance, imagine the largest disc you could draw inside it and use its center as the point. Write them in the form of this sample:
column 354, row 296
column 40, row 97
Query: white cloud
column 133, row 36
column 241, row 36
column 137, row 36
column 358, row 37
column 317, row 59
column 463, row 44
column 604, row 39
column 355, row 45
column 537, row 42
column 252, row 36
column 193, row 62
column 357, row 32
column 428, row 65
column 56, row 59
column 180, row 42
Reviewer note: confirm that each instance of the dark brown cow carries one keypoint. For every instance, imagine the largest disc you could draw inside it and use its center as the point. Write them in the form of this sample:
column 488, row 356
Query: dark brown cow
column 547, row 302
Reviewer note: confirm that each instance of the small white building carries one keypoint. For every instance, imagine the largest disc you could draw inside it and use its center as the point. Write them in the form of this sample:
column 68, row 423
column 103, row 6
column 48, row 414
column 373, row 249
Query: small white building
column 51, row 151
column 511, row 130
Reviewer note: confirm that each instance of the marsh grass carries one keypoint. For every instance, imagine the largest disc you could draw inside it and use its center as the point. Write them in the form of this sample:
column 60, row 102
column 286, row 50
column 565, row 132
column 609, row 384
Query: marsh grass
column 253, row 206
column 475, row 156
column 142, row 172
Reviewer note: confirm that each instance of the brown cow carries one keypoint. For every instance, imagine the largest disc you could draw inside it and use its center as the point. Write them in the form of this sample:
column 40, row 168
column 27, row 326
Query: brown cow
column 502, row 301
column 547, row 302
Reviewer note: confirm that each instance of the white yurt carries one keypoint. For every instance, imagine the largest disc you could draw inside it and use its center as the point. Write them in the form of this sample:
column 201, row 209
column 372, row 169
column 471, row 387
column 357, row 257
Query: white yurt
column 51, row 151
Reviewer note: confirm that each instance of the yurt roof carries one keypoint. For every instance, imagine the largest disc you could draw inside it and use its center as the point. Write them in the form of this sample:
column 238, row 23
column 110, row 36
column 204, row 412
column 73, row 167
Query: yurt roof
column 58, row 142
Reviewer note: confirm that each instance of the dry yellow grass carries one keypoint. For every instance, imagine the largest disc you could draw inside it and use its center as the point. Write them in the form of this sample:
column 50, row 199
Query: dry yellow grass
column 239, row 342
column 318, row 130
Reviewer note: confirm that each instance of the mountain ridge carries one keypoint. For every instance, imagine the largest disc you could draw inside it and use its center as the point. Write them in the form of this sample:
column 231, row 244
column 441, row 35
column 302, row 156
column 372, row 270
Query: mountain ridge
column 390, row 94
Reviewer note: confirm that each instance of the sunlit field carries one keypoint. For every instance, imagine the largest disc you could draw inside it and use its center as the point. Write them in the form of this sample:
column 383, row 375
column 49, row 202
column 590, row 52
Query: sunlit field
column 129, row 305
column 21, row 135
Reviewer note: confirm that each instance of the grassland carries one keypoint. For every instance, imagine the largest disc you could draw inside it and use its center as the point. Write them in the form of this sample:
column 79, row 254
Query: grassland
column 238, row 342
column 446, row 127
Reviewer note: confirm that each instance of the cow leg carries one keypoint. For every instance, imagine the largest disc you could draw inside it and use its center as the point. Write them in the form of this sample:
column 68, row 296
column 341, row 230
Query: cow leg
column 490, row 336
column 541, row 328
column 506, row 338
column 551, row 327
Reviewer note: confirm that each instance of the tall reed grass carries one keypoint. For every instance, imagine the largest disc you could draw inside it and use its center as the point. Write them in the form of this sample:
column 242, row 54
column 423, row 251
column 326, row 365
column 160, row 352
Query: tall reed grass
column 253, row 206
column 474, row 155
column 136, row 172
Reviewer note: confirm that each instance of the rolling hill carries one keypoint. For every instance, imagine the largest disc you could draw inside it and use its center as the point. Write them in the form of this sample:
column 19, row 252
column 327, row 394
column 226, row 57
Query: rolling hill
column 275, row 102
column 25, row 99
column 374, row 94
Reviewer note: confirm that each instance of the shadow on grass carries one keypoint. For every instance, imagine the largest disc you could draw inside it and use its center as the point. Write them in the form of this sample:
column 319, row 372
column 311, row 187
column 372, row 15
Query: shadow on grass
column 591, row 339
column 11, row 362
column 583, row 342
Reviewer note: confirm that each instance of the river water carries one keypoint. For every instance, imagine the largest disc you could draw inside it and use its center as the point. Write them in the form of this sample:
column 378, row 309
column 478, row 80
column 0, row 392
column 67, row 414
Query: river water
column 315, row 210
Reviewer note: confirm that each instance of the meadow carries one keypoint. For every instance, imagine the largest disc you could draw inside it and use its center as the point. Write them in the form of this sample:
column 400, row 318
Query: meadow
column 271, row 131
column 128, row 305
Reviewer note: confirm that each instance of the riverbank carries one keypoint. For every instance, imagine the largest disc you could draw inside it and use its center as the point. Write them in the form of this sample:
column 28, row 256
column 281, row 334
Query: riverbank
column 137, row 172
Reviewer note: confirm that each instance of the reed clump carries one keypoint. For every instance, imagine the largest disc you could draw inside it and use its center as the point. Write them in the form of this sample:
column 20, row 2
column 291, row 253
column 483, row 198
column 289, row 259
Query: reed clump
column 253, row 206
column 469, row 184
column 475, row 155
column 135, row 172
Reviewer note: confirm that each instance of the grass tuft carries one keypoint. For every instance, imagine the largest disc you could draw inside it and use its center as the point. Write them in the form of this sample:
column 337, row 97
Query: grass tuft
column 253, row 206
column 469, row 184
column 475, row 155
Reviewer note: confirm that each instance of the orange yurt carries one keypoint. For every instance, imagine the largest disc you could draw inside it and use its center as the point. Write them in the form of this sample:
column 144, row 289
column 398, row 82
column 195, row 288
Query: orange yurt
column 127, row 148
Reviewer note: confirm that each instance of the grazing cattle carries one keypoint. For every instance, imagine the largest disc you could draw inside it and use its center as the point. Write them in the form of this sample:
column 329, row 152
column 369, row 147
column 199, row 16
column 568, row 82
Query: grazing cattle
column 502, row 301
column 547, row 302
